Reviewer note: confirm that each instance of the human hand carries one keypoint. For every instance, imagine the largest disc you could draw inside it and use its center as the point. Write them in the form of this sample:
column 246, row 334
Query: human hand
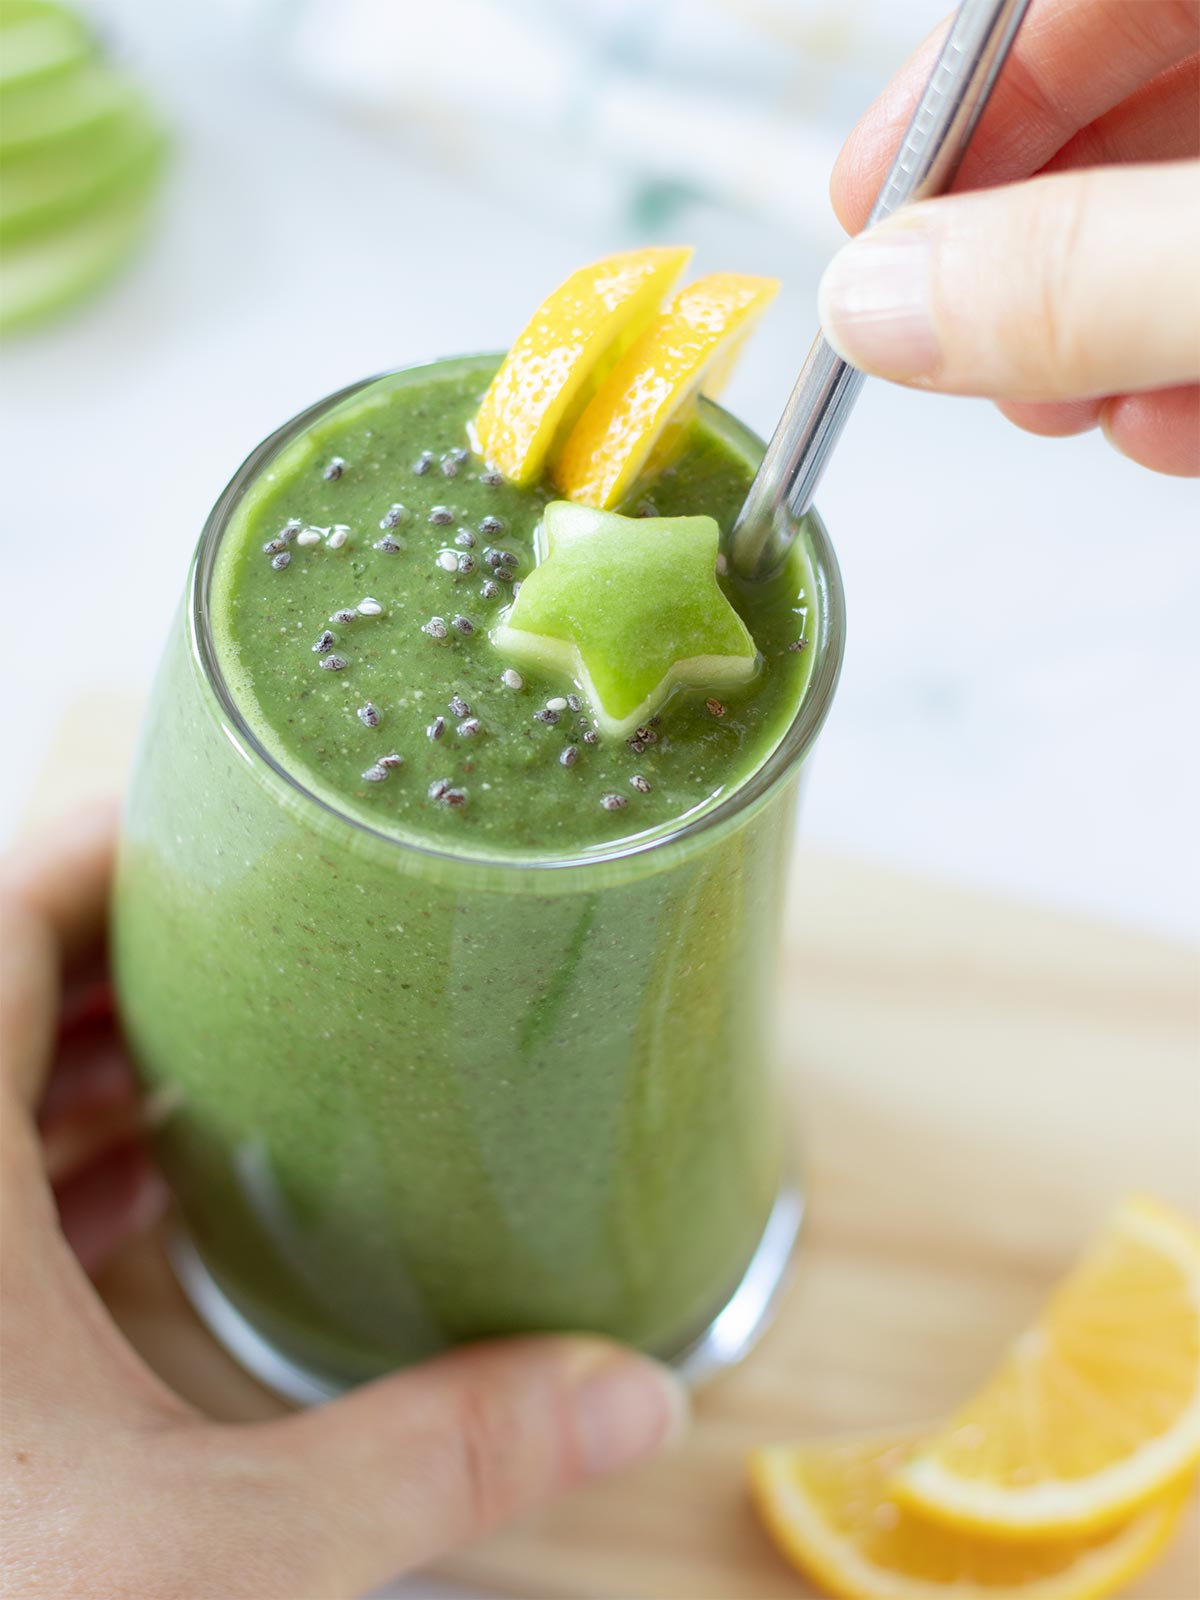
column 1072, row 299
column 113, row 1486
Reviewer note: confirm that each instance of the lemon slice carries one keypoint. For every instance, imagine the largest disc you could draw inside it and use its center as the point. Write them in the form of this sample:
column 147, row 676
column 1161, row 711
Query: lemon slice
column 689, row 348
column 1096, row 1409
column 828, row 1509
column 570, row 342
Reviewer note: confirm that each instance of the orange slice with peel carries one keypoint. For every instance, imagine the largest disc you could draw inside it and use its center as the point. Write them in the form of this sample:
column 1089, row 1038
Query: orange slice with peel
column 689, row 348
column 568, row 345
column 829, row 1509
column 1095, row 1411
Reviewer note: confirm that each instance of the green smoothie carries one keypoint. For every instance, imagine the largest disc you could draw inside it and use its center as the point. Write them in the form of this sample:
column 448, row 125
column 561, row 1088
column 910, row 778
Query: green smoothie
column 462, row 1009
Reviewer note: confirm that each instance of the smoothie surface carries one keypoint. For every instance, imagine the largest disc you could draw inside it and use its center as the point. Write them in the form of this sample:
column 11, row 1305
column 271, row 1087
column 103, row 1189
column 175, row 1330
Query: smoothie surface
column 353, row 598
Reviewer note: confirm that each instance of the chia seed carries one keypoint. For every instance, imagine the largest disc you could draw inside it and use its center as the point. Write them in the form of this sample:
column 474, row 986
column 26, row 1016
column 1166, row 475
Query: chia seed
column 289, row 530
column 516, row 588
column 799, row 644
column 368, row 715
column 438, row 788
column 423, row 463
column 490, row 589
column 557, row 704
column 714, row 708
column 369, row 608
column 574, row 702
column 344, row 616
column 501, row 558
column 334, row 663
column 388, row 546
column 647, row 509
column 502, row 574
column 459, row 453
column 464, row 626
column 465, row 539
column 455, row 798
column 469, row 727
column 449, row 467
column 492, row 478
column 436, row 728
column 441, row 516
column 394, row 516
column 647, row 735
column 392, row 760
column 309, row 536
column 511, row 679
column 570, row 755
column 324, row 644
column 338, row 535
column 546, row 715
column 491, row 527
column 642, row 785
column 722, row 564
column 375, row 774
column 283, row 559
column 636, row 745
column 590, row 736
column 613, row 802
column 436, row 628
column 334, row 470
column 459, row 706
column 466, row 565
column 447, row 560
column 274, row 546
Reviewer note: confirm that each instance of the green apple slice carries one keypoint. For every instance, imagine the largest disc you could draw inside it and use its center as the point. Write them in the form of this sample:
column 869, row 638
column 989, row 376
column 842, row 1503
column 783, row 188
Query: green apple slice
column 37, row 112
column 38, row 39
column 630, row 609
column 45, row 274
column 54, row 181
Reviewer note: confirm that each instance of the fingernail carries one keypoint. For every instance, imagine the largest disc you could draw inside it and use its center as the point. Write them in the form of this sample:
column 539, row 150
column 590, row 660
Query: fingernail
column 626, row 1408
column 874, row 302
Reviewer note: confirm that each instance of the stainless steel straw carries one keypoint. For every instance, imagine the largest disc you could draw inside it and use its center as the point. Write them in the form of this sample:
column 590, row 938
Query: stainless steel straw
column 929, row 155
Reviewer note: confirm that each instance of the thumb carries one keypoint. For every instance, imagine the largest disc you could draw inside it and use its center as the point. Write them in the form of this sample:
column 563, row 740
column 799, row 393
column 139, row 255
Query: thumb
column 1077, row 284
column 414, row 1464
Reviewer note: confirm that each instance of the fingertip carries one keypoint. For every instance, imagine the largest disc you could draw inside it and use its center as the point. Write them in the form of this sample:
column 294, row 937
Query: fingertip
column 845, row 189
column 1052, row 419
column 1159, row 430
column 625, row 1408
column 62, row 874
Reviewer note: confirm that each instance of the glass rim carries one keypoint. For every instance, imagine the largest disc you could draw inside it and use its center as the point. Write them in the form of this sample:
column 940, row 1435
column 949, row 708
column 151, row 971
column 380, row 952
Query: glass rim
column 827, row 647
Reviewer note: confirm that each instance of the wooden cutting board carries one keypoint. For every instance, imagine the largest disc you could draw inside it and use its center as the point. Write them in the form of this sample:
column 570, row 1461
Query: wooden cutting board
column 972, row 1083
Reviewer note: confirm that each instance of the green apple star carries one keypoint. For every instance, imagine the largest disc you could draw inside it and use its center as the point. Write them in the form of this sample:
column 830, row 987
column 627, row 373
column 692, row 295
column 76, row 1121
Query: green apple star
column 629, row 608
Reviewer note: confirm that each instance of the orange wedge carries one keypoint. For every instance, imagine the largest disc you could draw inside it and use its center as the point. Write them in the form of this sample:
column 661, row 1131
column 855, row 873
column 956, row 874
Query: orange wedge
column 829, row 1510
column 1095, row 1411
column 688, row 349
column 568, row 345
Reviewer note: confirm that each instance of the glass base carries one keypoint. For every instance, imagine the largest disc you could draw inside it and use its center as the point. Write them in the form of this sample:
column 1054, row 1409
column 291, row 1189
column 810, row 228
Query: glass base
column 730, row 1336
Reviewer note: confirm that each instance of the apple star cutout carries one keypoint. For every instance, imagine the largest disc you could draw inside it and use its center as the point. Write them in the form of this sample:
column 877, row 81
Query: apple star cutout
column 630, row 609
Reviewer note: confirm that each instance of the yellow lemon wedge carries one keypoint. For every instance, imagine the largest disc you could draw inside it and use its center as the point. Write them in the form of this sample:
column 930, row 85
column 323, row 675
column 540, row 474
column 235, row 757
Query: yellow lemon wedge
column 568, row 345
column 829, row 1509
column 689, row 348
column 1095, row 1410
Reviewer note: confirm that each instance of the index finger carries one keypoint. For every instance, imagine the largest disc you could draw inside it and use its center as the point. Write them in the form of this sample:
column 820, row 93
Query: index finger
column 62, row 875
column 54, row 900
column 1073, row 60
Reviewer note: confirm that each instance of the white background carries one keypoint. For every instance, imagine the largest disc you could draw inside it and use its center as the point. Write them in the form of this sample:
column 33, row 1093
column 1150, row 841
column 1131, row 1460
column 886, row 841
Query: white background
column 1018, row 708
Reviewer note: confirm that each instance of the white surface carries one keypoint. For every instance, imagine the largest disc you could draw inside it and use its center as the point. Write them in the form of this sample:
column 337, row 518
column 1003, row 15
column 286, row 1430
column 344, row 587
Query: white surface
column 1019, row 699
